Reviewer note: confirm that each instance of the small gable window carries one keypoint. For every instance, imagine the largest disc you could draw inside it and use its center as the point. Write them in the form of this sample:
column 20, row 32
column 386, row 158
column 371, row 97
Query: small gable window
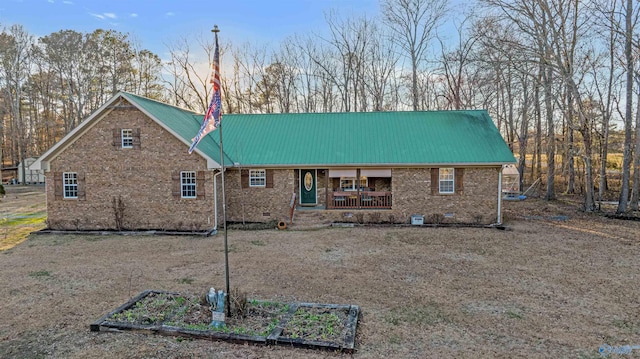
column 70, row 184
column 257, row 178
column 127, row 138
column 188, row 184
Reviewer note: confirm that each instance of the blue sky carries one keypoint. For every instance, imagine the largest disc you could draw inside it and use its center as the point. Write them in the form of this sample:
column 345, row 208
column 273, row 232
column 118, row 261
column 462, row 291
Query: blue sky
column 157, row 22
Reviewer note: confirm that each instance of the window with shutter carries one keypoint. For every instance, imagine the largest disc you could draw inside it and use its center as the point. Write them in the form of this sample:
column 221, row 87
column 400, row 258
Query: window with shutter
column 188, row 184
column 257, row 178
column 127, row 137
column 70, row 185
column 446, row 183
column 447, row 180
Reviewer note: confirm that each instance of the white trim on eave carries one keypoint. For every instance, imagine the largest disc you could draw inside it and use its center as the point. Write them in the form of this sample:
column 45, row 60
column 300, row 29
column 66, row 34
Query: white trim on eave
column 374, row 165
column 43, row 162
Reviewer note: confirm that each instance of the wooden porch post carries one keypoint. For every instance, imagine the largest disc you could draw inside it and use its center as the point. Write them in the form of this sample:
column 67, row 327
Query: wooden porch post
column 326, row 189
column 358, row 204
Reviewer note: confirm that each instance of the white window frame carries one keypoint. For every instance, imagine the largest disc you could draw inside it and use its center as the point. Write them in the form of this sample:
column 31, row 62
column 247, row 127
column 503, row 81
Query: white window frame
column 258, row 178
column 446, row 180
column 70, row 184
column 188, row 184
column 126, row 135
column 349, row 183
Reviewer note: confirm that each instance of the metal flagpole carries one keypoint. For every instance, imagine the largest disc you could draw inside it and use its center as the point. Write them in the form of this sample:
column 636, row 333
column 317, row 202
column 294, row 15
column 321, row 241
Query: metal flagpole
column 224, row 203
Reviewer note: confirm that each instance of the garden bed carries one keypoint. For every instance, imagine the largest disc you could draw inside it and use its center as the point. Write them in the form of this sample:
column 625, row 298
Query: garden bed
column 308, row 325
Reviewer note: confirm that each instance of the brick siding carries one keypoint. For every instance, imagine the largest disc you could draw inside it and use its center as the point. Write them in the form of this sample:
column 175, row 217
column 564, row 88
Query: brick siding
column 141, row 177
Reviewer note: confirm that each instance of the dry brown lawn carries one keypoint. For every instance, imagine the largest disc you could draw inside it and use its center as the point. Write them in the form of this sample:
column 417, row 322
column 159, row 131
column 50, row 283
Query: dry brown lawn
column 543, row 289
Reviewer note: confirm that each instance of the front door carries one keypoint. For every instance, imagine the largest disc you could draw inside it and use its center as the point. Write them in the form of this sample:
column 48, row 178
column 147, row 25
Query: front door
column 308, row 190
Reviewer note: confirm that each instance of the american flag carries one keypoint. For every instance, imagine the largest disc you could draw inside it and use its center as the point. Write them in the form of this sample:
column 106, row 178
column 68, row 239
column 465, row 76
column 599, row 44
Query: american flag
column 213, row 116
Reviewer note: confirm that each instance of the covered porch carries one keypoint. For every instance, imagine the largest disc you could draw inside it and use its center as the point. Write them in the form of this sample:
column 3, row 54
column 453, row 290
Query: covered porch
column 371, row 191
column 361, row 200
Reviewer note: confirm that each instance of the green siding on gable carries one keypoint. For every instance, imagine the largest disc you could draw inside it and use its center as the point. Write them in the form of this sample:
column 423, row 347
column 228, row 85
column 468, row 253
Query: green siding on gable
column 344, row 139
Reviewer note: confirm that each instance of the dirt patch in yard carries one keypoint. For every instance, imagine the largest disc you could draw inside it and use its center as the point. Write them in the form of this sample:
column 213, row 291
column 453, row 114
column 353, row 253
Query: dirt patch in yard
column 545, row 288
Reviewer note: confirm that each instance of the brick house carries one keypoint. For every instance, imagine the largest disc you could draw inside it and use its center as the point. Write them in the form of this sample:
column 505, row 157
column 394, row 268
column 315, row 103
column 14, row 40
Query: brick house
column 126, row 166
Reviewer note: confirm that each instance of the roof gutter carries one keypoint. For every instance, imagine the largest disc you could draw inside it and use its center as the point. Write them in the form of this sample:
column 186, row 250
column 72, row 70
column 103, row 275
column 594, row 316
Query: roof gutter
column 375, row 165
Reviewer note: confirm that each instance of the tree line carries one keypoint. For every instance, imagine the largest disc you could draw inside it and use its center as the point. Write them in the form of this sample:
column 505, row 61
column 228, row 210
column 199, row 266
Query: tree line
column 560, row 78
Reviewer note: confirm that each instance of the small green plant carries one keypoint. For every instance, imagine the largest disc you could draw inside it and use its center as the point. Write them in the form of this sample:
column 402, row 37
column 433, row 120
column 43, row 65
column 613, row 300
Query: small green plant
column 186, row 280
column 514, row 315
column 2, row 192
column 199, row 326
column 257, row 242
column 394, row 339
column 180, row 301
column 40, row 274
column 626, row 325
column 315, row 322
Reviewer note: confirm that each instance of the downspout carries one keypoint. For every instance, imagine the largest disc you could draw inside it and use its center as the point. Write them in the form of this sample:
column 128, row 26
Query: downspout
column 499, row 222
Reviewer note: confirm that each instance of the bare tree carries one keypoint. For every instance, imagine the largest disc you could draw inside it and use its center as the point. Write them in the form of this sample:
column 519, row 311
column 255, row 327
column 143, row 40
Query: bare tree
column 413, row 23
column 189, row 74
column 628, row 114
column 15, row 67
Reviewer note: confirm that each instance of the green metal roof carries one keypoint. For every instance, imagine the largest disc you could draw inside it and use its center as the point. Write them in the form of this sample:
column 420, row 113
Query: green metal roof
column 370, row 138
column 183, row 123
column 344, row 139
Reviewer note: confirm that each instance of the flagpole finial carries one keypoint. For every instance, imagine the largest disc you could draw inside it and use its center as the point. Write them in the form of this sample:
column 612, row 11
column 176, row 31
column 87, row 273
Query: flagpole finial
column 215, row 29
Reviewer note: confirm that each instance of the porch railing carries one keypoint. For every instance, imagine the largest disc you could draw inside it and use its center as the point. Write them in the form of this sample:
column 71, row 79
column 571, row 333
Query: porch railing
column 365, row 200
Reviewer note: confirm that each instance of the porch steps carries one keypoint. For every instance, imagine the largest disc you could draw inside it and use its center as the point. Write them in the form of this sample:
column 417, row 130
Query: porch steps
column 310, row 219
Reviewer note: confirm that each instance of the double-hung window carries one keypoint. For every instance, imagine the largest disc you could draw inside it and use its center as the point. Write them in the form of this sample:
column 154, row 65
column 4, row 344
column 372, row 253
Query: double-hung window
column 188, row 184
column 257, row 178
column 349, row 183
column 70, row 184
column 127, row 138
column 446, row 180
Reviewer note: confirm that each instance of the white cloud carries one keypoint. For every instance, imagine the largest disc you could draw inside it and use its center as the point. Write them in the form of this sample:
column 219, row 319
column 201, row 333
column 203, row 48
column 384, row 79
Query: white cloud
column 50, row 1
column 170, row 13
column 133, row 15
column 68, row 2
column 104, row 16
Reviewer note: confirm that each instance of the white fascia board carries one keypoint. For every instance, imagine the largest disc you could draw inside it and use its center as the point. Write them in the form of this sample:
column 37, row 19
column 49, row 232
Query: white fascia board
column 374, row 165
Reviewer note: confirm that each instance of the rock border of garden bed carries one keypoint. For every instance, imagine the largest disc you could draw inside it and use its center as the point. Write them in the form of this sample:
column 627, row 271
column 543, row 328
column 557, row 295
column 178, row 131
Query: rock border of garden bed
column 274, row 338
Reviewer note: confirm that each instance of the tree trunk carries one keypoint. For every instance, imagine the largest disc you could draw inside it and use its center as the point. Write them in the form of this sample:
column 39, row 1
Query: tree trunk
column 628, row 123
column 551, row 136
column 635, row 191
column 571, row 173
column 523, row 137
